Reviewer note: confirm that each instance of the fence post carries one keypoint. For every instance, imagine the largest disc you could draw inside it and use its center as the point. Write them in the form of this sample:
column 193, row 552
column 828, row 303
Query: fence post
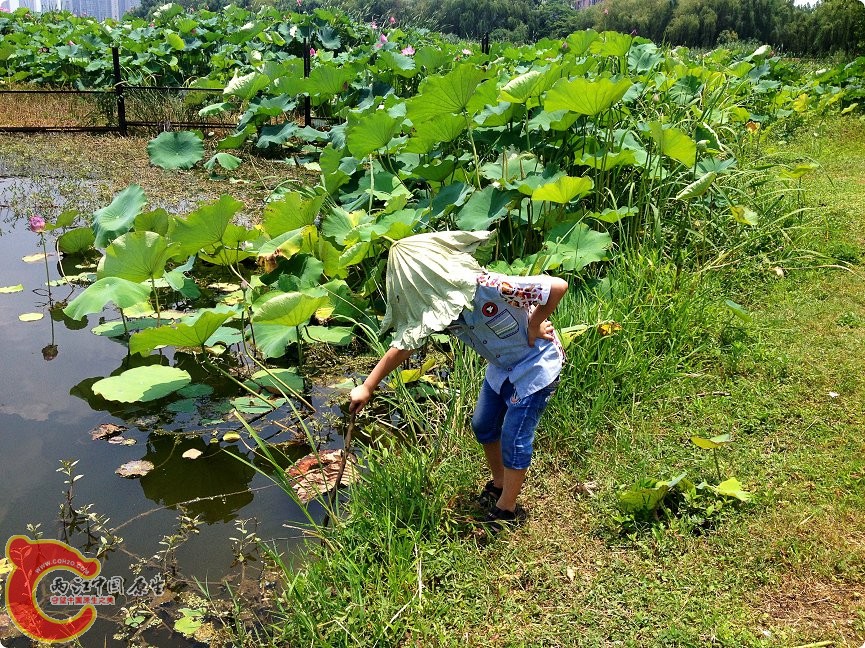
column 485, row 43
column 307, row 67
column 118, row 92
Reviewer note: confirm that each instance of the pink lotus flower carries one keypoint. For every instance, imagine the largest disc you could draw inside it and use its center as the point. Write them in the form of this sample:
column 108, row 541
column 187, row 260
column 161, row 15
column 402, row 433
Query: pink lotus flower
column 36, row 224
column 312, row 51
column 392, row 20
column 299, row 2
column 374, row 24
column 408, row 50
column 382, row 39
column 467, row 52
column 70, row 43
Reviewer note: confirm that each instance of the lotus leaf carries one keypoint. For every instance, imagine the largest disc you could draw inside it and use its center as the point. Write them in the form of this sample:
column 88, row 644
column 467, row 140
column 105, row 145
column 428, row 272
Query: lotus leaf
column 122, row 292
column 584, row 96
column 278, row 381
column 136, row 256
column 614, row 215
column 573, row 246
column 484, row 208
column 225, row 160
column 674, row 143
column 733, row 488
column 118, row 328
column 246, row 86
column 714, row 442
column 76, row 240
column 429, row 134
column 118, row 217
column 370, row 133
column 744, row 215
column 142, row 384
column 271, row 340
column 205, row 226
column 336, row 335
column 276, row 135
column 563, row 190
column 297, row 273
column 611, row 43
column 153, row 221
column 291, row 243
column 134, row 469
column 579, row 42
column 291, row 212
column 289, row 309
column 194, row 334
column 445, row 95
column 698, row 187
column 176, row 150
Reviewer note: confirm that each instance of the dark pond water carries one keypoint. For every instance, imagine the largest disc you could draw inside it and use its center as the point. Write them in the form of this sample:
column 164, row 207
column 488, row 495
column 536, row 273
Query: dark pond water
column 47, row 411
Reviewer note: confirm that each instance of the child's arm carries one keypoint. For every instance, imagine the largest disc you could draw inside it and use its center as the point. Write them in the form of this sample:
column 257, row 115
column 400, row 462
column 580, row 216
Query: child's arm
column 539, row 327
column 392, row 359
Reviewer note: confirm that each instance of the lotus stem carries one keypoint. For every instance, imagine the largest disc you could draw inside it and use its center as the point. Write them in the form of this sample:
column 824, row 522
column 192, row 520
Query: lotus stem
column 247, row 388
column 156, row 298
column 717, row 465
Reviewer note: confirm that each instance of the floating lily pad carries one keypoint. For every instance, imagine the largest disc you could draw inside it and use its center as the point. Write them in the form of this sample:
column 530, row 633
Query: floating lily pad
column 34, row 258
column 179, row 150
column 185, row 406
column 142, row 384
column 316, row 473
column 31, row 317
column 106, row 431
column 5, row 290
column 192, row 453
column 277, row 381
column 231, row 437
column 134, row 469
column 195, row 390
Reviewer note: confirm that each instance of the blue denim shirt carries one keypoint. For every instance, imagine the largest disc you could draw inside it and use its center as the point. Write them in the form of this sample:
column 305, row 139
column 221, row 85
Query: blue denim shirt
column 497, row 328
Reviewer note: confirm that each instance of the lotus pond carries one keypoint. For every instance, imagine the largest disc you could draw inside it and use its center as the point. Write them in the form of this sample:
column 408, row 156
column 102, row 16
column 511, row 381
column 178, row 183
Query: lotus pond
column 187, row 518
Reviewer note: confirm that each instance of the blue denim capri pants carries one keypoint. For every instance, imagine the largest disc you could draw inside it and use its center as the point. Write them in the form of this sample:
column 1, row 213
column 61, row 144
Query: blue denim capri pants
column 510, row 419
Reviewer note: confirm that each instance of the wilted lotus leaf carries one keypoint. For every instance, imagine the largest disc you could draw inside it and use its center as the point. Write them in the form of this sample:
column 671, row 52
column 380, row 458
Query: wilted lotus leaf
column 106, row 431
column 34, row 258
column 192, row 453
column 316, row 473
column 134, row 469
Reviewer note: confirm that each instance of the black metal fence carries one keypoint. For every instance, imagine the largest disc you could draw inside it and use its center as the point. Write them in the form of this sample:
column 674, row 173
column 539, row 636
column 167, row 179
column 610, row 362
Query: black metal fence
column 111, row 106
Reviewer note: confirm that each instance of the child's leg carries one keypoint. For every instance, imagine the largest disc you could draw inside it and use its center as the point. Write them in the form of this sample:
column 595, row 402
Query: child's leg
column 511, row 487
column 487, row 426
column 493, row 453
column 517, row 439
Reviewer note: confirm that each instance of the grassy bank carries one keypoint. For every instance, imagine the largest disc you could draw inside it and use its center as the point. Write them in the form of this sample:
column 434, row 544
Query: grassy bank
column 781, row 374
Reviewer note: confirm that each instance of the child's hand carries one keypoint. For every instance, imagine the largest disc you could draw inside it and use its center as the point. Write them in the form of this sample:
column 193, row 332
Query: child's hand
column 360, row 396
column 544, row 330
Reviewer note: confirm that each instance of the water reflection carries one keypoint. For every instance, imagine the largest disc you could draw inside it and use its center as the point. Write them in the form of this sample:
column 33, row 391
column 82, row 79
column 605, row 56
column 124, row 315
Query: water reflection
column 214, row 486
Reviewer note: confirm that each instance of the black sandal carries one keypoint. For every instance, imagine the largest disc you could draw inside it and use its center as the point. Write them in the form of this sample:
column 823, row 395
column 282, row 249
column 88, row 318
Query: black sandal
column 490, row 494
column 499, row 519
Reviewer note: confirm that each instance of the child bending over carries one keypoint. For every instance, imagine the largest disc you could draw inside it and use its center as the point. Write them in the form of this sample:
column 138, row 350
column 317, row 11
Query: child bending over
column 433, row 285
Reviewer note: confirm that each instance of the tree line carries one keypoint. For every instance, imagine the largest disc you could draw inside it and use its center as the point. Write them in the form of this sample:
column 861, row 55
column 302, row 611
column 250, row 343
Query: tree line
column 828, row 27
